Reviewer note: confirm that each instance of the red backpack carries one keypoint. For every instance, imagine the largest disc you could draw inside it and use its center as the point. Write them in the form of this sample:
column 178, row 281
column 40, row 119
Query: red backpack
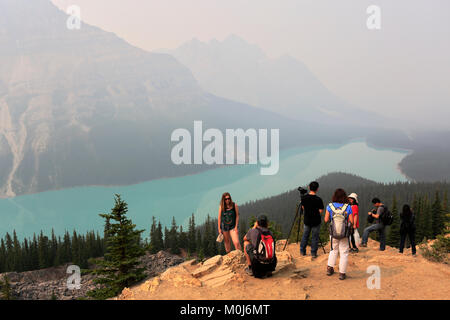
column 265, row 247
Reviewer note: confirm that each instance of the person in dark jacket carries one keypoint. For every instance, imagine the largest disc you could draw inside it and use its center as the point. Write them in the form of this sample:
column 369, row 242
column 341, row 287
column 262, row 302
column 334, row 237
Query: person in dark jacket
column 407, row 228
column 255, row 268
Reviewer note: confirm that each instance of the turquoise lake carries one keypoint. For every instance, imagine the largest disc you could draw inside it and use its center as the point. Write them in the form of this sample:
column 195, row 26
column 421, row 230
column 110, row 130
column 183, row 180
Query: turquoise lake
column 78, row 208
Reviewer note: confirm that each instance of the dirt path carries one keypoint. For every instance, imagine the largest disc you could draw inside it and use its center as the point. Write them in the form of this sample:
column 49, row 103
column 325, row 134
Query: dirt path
column 299, row 277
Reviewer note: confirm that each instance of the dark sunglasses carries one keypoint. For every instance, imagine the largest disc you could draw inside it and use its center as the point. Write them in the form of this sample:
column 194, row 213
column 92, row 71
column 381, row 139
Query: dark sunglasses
column 227, row 198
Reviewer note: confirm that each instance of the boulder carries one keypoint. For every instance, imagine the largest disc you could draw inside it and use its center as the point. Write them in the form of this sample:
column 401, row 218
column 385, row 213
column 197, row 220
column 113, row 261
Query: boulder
column 235, row 260
column 178, row 276
column 284, row 261
column 279, row 245
column 151, row 285
column 207, row 267
column 126, row 294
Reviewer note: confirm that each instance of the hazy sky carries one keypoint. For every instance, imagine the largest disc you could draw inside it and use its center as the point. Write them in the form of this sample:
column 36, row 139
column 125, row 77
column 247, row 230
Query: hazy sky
column 403, row 69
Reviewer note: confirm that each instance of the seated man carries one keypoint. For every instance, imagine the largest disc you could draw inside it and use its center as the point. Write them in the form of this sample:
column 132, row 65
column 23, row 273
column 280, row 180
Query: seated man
column 259, row 250
column 378, row 226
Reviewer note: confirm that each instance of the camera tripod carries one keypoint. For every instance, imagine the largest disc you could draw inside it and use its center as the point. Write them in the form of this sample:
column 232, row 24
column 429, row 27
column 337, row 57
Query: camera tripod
column 299, row 213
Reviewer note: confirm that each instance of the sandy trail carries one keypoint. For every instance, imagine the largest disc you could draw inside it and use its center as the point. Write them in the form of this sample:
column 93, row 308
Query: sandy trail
column 402, row 277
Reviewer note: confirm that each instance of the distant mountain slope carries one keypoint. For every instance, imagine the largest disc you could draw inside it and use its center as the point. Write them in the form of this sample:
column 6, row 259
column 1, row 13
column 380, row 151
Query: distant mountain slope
column 83, row 107
column 430, row 160
column 240, row 71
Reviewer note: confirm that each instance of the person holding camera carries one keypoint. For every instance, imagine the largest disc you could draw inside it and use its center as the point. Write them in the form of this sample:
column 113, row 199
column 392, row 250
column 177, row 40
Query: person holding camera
column 375, row 216
column 312, row 206
column 228, row 222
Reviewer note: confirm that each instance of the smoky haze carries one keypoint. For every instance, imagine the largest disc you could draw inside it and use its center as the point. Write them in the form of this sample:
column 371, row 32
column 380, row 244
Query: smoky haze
column 400, row 71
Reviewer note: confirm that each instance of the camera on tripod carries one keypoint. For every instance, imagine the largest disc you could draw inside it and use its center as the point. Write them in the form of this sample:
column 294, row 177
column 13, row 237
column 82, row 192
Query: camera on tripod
column 302, row 191
column 298, row 215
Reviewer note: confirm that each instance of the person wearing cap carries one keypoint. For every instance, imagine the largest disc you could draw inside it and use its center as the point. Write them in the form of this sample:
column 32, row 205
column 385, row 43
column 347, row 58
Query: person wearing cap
column 378, row 226
column 250, row 243
column 353, row 200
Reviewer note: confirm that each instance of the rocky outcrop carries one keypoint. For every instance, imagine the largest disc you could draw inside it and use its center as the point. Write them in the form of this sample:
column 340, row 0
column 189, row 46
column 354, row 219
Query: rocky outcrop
column 47, row 284
column 51, row 283
column 154, row 264
column 216, row 272
column 298, row 277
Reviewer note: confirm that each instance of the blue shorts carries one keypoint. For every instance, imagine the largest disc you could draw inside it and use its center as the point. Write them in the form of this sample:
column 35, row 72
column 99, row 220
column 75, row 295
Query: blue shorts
column 227, row 227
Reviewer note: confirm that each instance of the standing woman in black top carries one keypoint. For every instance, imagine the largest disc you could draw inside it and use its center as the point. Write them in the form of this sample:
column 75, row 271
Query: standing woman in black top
column 407, row 227
column 228, row 222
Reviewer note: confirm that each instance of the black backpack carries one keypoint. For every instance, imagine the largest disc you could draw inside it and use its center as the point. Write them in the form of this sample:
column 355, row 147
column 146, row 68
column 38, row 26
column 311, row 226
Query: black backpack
column 387, row 217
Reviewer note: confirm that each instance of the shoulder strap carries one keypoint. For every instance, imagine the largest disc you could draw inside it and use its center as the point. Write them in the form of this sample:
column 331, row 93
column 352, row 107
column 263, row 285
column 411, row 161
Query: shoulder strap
column 333, row 208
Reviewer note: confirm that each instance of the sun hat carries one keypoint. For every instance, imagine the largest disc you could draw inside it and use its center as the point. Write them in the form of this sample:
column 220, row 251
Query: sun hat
column 354, row 196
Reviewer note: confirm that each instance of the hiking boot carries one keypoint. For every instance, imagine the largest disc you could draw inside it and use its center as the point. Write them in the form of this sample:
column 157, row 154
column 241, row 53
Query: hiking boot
column 330, row 271
column 249, row 271
column 355, row 250
column 363, row 245
column 342, row 276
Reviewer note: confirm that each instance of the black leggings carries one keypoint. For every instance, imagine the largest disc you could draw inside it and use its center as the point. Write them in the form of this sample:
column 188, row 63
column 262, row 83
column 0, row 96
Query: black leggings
column 352, row 238
column 412, row 238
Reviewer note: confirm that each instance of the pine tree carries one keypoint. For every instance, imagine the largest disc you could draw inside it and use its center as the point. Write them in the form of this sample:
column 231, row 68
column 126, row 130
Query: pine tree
column 445, row 202
column 26, row 256
column 17, row 262
column 34, row 253
column 159, row 244
column 76, row 254
column 192, row 242
column 43, row 251
column 153, row 241
column 66, row 248
column 437, row 216
column 3, row 256
column 173, row 238
column 166, row 239
column 208, row 240
column 183, row 239
column 428, row 223
column 393, row 237
column 212, row 239
column 419, row 218
column 9, row 253
column 6, row 289
column 199, row 242
column 53, row 249
column 121, row 269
